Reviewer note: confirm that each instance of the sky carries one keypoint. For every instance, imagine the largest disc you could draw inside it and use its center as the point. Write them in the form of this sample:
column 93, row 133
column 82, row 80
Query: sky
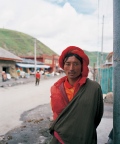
column 58, row 24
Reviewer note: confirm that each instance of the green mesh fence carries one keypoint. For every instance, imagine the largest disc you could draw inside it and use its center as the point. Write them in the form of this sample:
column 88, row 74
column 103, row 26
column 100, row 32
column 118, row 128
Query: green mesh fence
column 105, row 78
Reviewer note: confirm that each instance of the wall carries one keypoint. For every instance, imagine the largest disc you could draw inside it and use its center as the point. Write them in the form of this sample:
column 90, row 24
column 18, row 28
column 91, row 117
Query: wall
column 10, row 65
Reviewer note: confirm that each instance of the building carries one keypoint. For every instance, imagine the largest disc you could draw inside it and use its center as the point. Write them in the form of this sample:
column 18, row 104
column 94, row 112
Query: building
column 105, row 74
column 51, row 61
column 8, row 63
column 28, row 66
column 109, row 60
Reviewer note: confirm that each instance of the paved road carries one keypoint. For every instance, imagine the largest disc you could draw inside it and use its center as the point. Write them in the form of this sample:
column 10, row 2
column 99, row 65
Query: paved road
column 17, row 99
column 106, row 124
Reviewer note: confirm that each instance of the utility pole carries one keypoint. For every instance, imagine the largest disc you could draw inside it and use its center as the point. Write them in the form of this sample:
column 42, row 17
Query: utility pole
column 116, row 71
column 101, row 56
column 35, row 54
column 102, row 40
column 98, row 57
column 94, row 72
column 98, row 38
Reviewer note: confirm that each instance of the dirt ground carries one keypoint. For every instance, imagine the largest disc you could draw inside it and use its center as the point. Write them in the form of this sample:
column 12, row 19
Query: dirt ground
column 35, row 126
column 33, row 130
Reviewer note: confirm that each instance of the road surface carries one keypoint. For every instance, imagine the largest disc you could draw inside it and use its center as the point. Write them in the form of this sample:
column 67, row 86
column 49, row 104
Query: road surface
column 17, row 99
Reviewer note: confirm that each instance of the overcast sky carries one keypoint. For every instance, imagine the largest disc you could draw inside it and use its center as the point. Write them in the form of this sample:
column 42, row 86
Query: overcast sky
column 61, row 23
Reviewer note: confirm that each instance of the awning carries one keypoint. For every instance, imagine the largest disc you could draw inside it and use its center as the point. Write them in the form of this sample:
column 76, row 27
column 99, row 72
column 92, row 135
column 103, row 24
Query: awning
column 31, row 65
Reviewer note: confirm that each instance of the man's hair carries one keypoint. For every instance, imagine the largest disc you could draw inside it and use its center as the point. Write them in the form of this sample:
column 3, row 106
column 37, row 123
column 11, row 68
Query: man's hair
column 72, row 54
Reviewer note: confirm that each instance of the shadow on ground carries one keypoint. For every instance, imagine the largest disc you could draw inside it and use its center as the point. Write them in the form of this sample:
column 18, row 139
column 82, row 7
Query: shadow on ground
column 35, row 126
column 34, row 129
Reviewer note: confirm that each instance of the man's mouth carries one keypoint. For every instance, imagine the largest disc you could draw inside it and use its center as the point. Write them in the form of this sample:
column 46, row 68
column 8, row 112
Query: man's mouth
column 71, row 73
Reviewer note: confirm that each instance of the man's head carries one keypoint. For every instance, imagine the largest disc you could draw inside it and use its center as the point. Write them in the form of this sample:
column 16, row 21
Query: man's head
column 74, row 62
column 72, row 65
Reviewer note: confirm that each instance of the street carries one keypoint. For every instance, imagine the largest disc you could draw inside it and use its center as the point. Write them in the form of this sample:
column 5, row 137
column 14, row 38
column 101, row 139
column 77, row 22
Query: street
column 17, row 99
column 106, row 124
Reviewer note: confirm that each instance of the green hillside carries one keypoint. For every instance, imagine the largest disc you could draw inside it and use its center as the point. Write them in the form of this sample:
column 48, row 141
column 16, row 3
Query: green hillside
column 95, row 57
column 23, row 45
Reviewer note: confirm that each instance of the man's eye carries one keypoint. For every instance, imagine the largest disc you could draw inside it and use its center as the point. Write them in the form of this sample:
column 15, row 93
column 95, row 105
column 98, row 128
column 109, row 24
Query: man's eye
column 67, row 64
column 75, row 64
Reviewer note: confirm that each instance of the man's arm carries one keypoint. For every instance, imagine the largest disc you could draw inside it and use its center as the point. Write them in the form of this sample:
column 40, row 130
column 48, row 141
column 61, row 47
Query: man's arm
column 100, row 107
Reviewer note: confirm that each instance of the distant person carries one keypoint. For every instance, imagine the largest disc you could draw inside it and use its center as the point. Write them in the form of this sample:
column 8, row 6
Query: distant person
column 18, row 72
column 4, row 76
column 45, row 74
column 77, row 101
column 41, row 72
column 37, row 76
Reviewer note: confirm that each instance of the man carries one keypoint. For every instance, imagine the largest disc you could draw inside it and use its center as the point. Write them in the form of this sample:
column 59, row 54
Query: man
column 37, row 76
column 18, row 72
column 4, row 76
column 76, row 101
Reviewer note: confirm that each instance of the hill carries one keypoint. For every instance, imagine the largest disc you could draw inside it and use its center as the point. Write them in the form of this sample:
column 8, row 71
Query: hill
column 95, row 57
column 22, row 44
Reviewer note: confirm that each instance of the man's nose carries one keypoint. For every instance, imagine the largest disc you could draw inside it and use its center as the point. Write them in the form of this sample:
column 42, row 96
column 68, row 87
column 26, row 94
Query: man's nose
column 71, row 66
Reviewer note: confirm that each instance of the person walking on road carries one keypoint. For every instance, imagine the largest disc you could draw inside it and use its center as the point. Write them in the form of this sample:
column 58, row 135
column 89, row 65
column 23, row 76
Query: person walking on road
column 76, row 101
column 37, row 76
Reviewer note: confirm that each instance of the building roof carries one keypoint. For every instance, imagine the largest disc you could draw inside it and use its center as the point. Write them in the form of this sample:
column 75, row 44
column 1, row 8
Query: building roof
column 6, row 55
column 109, row 55
column 108, row 63
column 30, row 61
column 31, row 65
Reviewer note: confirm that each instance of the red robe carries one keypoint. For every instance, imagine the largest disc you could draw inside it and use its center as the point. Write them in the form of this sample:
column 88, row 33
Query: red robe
column 63, row 108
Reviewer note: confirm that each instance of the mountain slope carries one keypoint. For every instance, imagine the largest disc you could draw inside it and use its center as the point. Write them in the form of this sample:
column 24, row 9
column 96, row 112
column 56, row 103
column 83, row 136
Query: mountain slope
column 22, row 44
column 95, row 57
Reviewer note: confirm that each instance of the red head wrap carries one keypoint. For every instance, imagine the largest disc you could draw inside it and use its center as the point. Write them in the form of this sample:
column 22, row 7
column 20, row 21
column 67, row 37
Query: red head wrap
column 79, row 52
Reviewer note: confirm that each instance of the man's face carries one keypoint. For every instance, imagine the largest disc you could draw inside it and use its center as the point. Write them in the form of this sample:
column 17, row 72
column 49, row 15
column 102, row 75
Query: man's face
column 72, row 67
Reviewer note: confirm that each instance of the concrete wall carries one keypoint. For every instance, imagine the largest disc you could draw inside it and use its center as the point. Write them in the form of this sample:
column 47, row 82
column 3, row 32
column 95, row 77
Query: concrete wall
column 11, row 68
